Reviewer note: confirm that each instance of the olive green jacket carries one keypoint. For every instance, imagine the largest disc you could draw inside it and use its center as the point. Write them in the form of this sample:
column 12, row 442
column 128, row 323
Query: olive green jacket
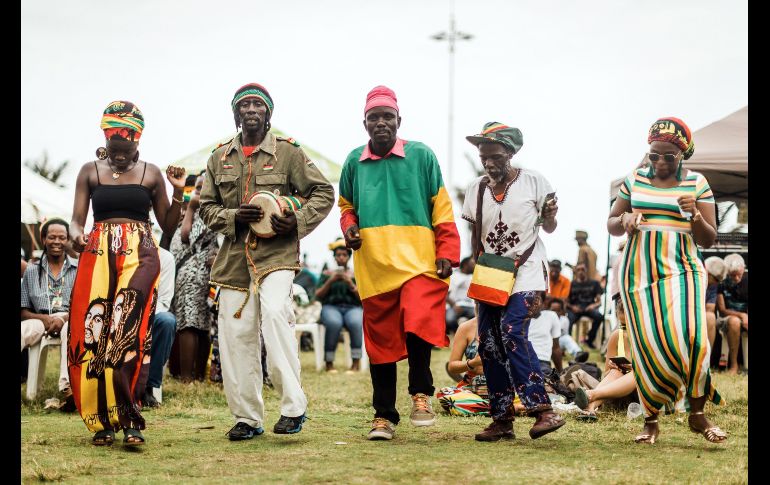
column 279, row 164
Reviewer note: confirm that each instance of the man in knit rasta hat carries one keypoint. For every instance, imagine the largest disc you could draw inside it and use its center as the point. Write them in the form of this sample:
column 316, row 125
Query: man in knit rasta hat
column 397, row 216
column 255, row 274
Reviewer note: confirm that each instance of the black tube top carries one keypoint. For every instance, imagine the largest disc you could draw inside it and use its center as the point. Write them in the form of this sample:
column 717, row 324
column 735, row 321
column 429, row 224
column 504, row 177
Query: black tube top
column 129, row 201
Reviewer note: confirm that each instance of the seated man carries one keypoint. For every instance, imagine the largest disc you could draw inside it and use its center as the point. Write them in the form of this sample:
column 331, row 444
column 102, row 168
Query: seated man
column 618, row 383
column 45, row 298
column 733, row 306
column 559, row 285
column 163, row 327
column 458, row 303
column 566, row 342
column 716, row 269
column 584, row 300
column 544, row 333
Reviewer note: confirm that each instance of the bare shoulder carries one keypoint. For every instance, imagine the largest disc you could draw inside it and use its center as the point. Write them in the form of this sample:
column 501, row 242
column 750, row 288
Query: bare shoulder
column 152, row 172
column 467, row 329
column 88, row 173
column 153, row 177
column 88, row 168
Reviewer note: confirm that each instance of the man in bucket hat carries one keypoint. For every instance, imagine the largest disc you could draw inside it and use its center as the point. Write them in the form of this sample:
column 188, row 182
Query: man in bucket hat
column 515, row 202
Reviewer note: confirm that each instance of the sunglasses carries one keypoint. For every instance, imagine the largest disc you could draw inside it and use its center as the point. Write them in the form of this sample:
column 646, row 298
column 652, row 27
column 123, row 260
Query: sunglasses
column 669, row 157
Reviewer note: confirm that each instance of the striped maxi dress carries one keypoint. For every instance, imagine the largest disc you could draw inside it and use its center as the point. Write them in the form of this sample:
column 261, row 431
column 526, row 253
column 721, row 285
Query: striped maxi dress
column 663, row 287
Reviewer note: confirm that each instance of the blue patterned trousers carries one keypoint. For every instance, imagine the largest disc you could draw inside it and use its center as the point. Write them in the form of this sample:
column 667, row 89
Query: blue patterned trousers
column 510, row 363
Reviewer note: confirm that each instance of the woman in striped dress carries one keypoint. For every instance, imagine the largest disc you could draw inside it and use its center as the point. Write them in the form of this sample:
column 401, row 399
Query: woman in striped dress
column 667, row 211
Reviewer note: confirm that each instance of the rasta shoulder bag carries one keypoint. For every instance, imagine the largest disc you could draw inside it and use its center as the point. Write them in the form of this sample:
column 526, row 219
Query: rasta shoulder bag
column 494, row 276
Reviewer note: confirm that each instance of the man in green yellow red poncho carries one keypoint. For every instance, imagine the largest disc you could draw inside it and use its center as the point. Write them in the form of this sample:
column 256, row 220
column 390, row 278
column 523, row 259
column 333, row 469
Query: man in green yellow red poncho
column 397, row 216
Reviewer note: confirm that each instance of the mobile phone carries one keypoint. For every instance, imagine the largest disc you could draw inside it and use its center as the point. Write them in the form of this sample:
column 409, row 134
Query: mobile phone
column 548, row 199
column 620, row 361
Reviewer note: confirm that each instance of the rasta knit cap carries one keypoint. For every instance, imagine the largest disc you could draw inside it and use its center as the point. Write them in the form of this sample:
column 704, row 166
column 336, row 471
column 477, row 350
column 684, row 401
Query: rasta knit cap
column 253, row 90
column 673, row 130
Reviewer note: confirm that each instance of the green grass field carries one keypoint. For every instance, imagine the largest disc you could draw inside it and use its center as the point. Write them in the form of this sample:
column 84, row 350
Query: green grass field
column 186, row 442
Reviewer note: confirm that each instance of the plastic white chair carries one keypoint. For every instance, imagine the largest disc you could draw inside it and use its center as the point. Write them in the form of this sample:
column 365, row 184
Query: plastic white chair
column 318, row 332
column 348, row 350
column 38, row 355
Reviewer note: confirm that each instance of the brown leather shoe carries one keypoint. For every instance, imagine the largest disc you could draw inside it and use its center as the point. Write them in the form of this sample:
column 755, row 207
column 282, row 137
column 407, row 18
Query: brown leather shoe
column 546, row 422
column 496, row 431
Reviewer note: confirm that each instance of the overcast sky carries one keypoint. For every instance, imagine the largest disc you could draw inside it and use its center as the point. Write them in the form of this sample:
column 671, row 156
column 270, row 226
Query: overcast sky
column 582, row 80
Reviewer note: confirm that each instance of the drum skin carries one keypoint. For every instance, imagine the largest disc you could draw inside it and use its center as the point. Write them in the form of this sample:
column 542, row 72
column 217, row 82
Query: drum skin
column 270, row 204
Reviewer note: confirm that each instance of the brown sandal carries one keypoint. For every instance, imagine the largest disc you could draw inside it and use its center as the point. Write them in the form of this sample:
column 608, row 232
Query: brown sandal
column 547, row 421
column 647, row 437
column 713, row 434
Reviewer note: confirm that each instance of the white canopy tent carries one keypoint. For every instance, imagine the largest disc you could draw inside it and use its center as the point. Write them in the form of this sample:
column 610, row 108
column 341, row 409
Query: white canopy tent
column 42, row 199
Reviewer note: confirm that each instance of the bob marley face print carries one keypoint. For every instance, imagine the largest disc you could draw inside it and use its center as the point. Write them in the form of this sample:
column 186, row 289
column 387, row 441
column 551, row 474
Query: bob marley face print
column 96, row 333
column 117, row 311
column 126, row 319
column 95, row 318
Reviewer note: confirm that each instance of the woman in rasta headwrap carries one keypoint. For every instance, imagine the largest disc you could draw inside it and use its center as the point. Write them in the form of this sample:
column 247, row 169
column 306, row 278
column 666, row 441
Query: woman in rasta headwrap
column 667, row 210
column 115, row 287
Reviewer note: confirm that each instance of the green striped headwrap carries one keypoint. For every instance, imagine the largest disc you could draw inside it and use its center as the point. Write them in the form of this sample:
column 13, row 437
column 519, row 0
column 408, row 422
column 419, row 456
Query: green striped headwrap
column 124, row 120
column 253, row 90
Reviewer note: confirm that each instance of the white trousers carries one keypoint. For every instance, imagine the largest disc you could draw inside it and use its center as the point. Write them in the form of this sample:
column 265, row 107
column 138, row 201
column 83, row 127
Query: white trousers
column 270, row 310
column 32, row 332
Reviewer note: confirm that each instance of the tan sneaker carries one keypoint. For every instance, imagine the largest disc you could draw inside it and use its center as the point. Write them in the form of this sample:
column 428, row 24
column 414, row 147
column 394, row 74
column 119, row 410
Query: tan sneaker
column 422, row 411
column 382, row 429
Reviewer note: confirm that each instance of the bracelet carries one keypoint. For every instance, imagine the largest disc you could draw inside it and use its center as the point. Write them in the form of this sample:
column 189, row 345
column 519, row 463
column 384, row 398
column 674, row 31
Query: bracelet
column 697, row 217
column 176, row 200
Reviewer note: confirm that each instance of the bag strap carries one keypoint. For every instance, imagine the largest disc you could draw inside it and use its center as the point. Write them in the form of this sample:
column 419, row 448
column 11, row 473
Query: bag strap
column 525, row 255
column 476, row 245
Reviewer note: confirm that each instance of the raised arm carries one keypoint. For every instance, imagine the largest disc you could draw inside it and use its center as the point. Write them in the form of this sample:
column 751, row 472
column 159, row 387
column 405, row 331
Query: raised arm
column 167, row 212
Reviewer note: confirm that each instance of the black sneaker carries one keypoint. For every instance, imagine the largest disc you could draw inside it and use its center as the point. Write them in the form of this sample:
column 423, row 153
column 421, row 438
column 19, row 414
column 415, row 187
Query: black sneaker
column 287, row 425
column 581, row 356
column 242, row 431
column 148, row 400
